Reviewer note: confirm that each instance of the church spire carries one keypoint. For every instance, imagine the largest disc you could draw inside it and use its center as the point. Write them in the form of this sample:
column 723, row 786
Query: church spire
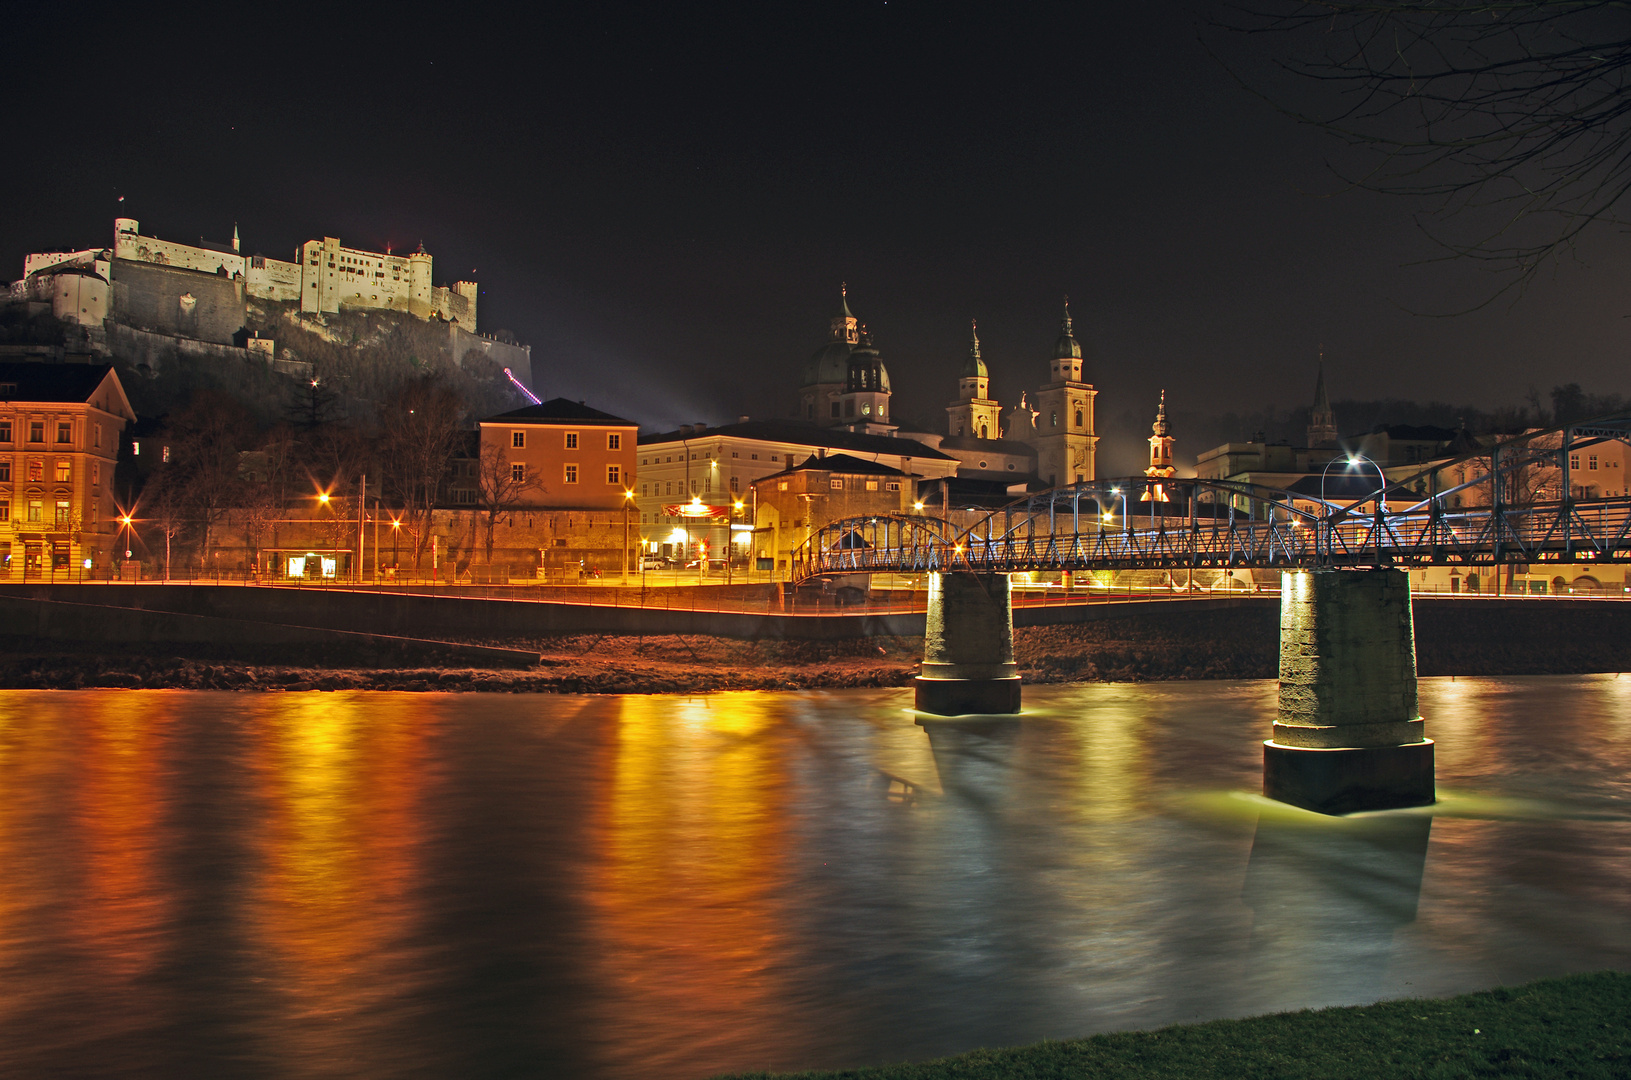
column 1322, row 420
column 1067, row 347
column 1161, row 467
column 974, row 367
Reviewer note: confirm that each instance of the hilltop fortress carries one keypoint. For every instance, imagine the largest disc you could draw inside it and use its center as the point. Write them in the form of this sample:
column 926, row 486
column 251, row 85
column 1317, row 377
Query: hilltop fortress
column 144, row 297
column 325, row 278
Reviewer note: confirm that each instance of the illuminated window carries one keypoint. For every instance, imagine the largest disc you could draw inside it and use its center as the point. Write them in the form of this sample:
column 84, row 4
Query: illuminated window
column 614, row 440
column 872, row 485
column 614, row 474
column 518, row 472
column 571, row 440
column 63, row 517
column 36, row 472
column 518, row 439
column 36, row 510
column 836, row 484
column 65, row 472
column 781, row 485
column 572, row 474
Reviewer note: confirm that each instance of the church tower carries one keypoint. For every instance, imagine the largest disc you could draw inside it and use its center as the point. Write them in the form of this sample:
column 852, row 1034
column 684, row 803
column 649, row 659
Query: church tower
column 1161, row 467
column 1064, row 440
column 1322, row 421
column 974, row 413
column 865, row 400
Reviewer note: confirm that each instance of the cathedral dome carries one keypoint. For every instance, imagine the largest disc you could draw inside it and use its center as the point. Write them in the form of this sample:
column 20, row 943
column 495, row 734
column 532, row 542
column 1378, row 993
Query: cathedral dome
column 830, row 364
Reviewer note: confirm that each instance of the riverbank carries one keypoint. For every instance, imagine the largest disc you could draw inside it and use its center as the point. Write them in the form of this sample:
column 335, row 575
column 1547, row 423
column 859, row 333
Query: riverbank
column 1142, row 645
column 1571, row 1027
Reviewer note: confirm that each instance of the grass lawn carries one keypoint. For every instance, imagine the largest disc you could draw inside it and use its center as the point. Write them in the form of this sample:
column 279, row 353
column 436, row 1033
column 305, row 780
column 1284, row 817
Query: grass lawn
column 1574, row 1027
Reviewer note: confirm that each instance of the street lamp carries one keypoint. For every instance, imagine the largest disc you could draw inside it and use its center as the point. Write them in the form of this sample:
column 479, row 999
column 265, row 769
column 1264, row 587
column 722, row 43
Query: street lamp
column 628, row 497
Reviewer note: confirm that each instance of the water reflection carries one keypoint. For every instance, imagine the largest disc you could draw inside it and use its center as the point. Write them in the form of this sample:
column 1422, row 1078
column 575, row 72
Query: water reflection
column 1328, row 896
column 313, row 885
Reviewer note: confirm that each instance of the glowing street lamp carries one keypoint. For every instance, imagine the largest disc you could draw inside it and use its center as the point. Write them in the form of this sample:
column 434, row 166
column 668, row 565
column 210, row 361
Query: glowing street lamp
column 628, row 499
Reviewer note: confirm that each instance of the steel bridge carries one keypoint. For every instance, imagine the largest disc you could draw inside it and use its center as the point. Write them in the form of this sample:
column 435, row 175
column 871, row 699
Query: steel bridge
column 1507, row 503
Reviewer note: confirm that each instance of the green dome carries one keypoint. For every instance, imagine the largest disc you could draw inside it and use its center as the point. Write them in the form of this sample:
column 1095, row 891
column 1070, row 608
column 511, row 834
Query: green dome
column 830, row 364
column 974, row 366
column 1067, row 347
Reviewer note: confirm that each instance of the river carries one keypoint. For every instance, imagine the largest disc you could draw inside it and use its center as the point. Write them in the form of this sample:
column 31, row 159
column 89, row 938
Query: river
column 433, row 885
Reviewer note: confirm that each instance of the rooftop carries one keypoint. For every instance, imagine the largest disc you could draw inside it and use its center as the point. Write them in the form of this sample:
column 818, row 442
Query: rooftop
column 51, row 382
column 803, row 434
column 559, row 411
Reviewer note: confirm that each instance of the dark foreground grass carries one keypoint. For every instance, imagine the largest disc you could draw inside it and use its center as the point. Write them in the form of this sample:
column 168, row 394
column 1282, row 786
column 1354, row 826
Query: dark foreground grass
column 1574, row 1027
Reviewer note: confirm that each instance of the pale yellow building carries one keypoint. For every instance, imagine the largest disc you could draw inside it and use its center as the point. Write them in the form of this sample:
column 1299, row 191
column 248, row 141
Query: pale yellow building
column 60, row 426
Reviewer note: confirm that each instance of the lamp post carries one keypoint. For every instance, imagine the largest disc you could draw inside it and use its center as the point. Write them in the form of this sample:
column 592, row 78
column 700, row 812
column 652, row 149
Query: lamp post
column 362, row 513
column 1352, row 462
column 628, row 497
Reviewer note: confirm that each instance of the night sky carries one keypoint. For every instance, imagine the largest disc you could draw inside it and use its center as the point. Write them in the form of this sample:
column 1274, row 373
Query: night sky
column 663, row 200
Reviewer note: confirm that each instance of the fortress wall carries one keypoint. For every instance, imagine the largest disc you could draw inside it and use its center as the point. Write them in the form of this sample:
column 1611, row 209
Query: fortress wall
column 518, row 358
column 138, row 347
column 137, row 248
column 156, row 298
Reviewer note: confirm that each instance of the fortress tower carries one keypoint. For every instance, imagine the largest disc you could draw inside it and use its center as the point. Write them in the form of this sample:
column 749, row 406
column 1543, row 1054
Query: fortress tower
column 974, row 413
column 1065, row 441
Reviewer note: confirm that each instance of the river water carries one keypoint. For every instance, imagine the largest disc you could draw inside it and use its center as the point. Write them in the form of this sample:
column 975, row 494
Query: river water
column 407, row 885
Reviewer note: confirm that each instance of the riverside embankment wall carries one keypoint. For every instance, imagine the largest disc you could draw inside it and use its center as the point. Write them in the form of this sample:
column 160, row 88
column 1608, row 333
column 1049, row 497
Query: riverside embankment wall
column 1454, row 635
column 415, row 615
column 98, row 625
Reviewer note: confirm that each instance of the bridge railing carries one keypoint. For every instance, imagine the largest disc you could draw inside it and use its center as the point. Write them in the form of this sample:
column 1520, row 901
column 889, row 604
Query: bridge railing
column 1201, row 524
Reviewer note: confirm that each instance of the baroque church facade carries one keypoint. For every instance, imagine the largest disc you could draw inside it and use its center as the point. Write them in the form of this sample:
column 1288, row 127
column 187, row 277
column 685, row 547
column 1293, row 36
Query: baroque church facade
column 1049, row 439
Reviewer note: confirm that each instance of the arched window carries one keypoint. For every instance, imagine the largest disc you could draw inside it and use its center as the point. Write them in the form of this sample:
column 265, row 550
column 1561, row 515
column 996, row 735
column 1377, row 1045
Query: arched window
column 1078, row 418
column 985, row 432
column 1053, row 418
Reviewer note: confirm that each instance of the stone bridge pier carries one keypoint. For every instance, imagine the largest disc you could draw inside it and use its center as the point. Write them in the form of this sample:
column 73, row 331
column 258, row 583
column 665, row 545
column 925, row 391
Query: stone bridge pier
column 1349, row 736
column 968, row 647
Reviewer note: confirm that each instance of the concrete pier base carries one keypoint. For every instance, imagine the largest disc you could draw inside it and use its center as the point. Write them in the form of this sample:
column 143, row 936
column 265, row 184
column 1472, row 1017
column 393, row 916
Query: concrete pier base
column 1348, row 736
column 1345, row 779
column 968, row 647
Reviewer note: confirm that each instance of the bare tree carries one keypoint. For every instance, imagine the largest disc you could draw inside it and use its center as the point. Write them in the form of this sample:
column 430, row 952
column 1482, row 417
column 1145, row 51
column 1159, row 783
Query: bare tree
column 501, row 486
column 419, row 431
column 202, row 472
column 1512, row 116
